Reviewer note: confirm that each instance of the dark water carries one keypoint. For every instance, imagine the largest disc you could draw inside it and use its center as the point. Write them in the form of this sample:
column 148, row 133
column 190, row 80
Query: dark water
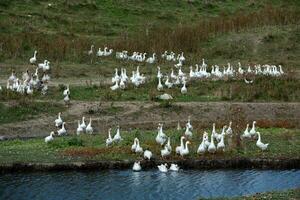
column 109, row 185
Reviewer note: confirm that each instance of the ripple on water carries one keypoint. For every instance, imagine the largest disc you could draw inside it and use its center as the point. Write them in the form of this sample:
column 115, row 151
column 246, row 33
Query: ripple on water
column 115, row 184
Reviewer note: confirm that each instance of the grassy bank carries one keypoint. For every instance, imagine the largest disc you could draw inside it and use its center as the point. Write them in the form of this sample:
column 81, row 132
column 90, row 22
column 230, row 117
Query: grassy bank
column 284, row 143
column 292, row 194
column 25, row 110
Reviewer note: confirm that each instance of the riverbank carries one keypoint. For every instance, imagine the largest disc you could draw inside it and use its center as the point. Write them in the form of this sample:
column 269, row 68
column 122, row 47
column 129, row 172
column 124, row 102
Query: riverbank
column 90, row 152
column 287, row 194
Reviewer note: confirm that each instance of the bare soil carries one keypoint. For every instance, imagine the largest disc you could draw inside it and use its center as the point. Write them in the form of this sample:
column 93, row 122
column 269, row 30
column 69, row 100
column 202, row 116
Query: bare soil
column 146, row 115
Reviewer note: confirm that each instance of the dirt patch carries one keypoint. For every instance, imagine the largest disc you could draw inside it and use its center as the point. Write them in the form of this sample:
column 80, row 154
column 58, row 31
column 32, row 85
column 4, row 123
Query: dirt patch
column 146, row 115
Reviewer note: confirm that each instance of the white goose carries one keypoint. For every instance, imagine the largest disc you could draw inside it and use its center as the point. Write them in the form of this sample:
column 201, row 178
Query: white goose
column 165, row 152
column 138, row 148
column 58, row 121
column 246, row 133
column 189, row 123
column 159, row 86
column 63, row 130
column 253, row 131
column 137, row 166
column 79, row 129
column 115, row 86
column 50, row 137
column 32, row 60
column 90, row 52
column 229, row 129
column 174, row 167
column 117, row 137
column 168, row 145
column 89, row 128
column 202, row 147
column 67, row 99
column 178, row 126
column 163, row 168
column 259, row 144
column 147, row 154
column 187, row 132
column 133, row 147
column 66, row 91
column 212, row 147
column 221, row 144
column 83, row 126
column 178, row 148
column 183, row 89
column 109, row 140
column 185, row 151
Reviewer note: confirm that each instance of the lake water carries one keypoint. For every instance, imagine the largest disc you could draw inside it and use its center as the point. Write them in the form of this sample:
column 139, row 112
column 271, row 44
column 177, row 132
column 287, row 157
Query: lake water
column 152, row 184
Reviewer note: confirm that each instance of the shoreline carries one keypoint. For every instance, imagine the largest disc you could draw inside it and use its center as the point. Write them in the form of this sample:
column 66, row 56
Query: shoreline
column 204, row 164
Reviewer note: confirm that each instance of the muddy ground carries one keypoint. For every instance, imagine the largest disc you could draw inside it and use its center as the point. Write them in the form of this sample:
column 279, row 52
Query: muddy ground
column 146, row 115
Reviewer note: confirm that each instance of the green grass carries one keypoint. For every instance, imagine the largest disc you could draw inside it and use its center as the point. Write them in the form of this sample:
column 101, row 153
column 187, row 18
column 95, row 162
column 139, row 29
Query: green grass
column 284, row 143
column 22, row 111
column 264, row 89
column 291, row 194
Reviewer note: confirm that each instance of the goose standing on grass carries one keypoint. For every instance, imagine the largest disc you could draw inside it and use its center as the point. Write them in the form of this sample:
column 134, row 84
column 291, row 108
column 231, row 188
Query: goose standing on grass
column 212, row 147
column 246, row 133
column 138, row 148
column 185, row 151
column 174, row 167
column 229, row 129
column 137, row 166
column 159, row 86
column 165, row 152
column 187, row 132
column 189, row 123
column 221, row 144
column 147, row 154
column 109, row 140
column 89, row 128
column 253, row 131
column 183, row 89
column 90, row 52
column 83, row 126
column 115, row 86
column 168, row 145
column 163, row 168
column 202, row 147
column 133, row 147
column 79, row 129
column 259, row 144
column 32, row 60
column 58, row 121
column 178, row 148
column 50, row 137
column 66, row 91
column 117, row 137
column 63, row 130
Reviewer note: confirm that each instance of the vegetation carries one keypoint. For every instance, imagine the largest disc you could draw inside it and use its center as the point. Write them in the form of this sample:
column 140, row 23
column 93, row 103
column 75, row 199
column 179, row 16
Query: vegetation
column 20, row 111
column 278, row 195
column 284, row 143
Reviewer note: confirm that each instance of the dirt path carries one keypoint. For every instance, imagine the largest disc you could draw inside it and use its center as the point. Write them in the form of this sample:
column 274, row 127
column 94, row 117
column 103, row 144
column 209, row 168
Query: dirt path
column 146, row 115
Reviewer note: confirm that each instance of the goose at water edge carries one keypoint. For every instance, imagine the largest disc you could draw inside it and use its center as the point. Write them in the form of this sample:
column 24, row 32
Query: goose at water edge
column 89, row 128
column 137, row 166
column 221, row 144
column 109, row 140
column 202, row 147
column 174, row 167
column 58, row 121
column 79, row 129
column 50, row 137
column 133, row 147
column 147, row 154
column 185, row 151
column 63, row 130
column 212, row 147
column 163, row 168
column 259, row 144
column 178, row 148
column 168, row 145
column 165, row 152
column 138, row 148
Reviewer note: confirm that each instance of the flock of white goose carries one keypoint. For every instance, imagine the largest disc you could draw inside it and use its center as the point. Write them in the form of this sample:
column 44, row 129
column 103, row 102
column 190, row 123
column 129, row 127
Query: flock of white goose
column 212, row 145
column 30, row 81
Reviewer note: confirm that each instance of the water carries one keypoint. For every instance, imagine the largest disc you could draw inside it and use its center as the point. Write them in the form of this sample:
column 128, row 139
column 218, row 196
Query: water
column 188, row 184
